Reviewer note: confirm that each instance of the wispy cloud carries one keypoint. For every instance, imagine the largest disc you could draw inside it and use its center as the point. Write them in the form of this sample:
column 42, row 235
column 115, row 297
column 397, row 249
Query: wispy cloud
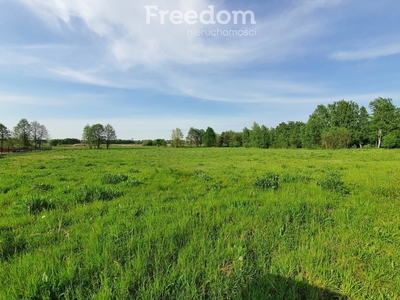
column 367, row 52
column 130, row 44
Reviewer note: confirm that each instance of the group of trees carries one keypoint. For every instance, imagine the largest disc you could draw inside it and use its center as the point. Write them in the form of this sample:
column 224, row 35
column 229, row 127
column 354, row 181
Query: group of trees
column 342, row 124
column 345, row 124
column 95, row 135
column 24, row 134
column 195, row 137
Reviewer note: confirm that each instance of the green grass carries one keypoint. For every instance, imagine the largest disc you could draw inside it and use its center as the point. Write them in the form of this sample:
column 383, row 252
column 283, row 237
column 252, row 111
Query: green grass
column 162, row 223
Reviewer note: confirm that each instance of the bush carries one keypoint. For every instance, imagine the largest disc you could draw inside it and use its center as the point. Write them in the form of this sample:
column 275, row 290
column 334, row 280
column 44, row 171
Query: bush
column 148, row 143
column 113, row 178
column 268, row 181
column 391, row 140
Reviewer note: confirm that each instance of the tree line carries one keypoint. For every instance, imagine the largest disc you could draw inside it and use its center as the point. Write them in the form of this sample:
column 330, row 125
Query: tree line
column 342, row 124
column 24, row 134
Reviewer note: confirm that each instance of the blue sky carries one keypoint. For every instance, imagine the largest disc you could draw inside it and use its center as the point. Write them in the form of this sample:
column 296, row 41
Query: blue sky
column 67, row 63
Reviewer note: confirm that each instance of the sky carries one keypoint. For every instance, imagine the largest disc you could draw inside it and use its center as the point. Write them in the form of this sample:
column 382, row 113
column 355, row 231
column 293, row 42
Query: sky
column 68, row 63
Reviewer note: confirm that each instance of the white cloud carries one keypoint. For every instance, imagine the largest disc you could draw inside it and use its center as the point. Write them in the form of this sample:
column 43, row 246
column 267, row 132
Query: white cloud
column 131, row 54
column 367, row 52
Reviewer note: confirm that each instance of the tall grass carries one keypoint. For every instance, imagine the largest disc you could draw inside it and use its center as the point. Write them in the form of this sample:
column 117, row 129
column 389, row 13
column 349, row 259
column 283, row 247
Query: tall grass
column 200, row 224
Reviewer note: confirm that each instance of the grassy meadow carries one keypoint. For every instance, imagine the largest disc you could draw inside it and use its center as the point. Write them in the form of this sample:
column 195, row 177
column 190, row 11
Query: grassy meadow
column 163, row 223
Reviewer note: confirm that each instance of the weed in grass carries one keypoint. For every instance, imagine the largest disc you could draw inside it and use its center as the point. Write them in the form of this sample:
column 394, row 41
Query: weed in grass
column 268, row 181
column 333, row 182
column 215, row 186
column 42, row 187
column 11, row 243
column 202, row 175
column 113, row 178
column 292, row 177
column 87, row 194
column 33, row 204
column 131, row 182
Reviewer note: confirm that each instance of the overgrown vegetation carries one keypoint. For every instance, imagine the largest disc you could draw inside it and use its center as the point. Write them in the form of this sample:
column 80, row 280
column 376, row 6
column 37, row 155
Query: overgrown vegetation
column 201, row 223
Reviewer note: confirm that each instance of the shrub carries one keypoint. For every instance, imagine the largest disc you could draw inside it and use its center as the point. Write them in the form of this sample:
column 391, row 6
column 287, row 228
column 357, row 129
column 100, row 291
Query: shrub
column 113, row 178
column 268, row 181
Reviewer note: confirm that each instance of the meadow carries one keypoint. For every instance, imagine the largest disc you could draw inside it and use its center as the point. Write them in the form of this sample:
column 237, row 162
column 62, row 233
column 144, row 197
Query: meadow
column 200, row 223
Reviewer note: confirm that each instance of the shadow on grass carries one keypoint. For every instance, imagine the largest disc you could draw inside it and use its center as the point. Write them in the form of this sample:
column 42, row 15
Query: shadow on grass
column 277, row 287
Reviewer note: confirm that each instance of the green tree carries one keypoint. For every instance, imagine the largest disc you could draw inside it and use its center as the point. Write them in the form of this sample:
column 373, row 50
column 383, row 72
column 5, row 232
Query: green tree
column 98, row 134
column 93, row 135
column 4, row 134
column 391, row 140
column 347, row 114
column 39, row 133
column 363, row 124
column 109, row 135
column 23, row 132
column 336, row 138
column 246, row 138
column 266, row 137
column 195, row 137
column 210, row 138
column 177, row 137
column 385, row 118
column 317, row 123
column 256, row 136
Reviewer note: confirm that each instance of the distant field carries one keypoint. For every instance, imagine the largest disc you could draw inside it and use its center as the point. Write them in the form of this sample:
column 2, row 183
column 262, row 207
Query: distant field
column 163, row 223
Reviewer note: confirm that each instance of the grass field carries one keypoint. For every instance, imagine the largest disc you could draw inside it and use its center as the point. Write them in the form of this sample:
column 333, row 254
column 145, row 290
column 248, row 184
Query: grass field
column 162, row 223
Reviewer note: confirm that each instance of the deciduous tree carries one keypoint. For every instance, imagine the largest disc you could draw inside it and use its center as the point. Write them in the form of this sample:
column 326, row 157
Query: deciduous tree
column 23, row 132
column 109, row 134
column 4, row 134
column 385, row 118
column 210, row 138
column 177, row 137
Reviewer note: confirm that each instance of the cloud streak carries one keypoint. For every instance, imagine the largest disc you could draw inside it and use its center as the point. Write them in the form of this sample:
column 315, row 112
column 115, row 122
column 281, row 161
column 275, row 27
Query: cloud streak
column 367, row 52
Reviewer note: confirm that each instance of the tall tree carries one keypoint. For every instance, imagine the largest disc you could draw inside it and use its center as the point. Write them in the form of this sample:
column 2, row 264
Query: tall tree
column 87, row 136
column 385, row 118
column 98, row 134
column 4, row 134
column 177, row 137
column 39, row 133
column 362, row 132
column 345, row 114
column 195, row 137
column 266, row 137
column 317, row 123
column 246, row 139
column 256, row 136
column 109, row 134
column 210, row 138
column 22, row 132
